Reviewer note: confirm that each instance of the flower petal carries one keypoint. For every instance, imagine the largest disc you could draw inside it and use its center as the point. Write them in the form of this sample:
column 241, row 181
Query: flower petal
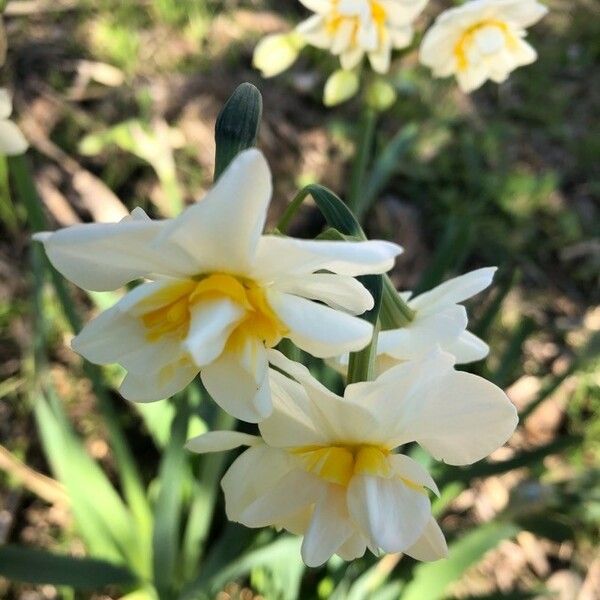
column 211, row 324
column 341, row 292
column 278, row 257
column 238, row 382
column 461, row 419
column 453, row 291
column 431, row 545
column 329, row 527
column 467, row 348
column 105, row 256
column 405, row 467
column 318, row 329
column 12, row 141
column 389, row 513
column 221, row 441
column 221, row 231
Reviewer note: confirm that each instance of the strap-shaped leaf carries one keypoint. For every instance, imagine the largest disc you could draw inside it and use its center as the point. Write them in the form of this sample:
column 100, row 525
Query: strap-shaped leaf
column 237, row 125
column 29, row 565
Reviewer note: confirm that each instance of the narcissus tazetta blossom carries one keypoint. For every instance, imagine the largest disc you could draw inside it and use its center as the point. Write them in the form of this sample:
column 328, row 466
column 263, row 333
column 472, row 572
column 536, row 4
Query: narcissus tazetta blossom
column 352, row 29
column 481, row 40
column 219, row 293
column 12, row 141
column 439, row 321
column 326, row 467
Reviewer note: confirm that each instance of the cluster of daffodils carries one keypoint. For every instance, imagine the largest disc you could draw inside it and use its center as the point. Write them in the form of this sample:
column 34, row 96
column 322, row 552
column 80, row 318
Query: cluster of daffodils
column 475, row 41
column 12, row 141
column 216, row 297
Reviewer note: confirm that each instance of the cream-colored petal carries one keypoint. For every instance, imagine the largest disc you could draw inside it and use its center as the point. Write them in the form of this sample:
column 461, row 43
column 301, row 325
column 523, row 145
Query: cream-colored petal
column 330, row 527
column 279, row 257
column 221, row 231
column 318, row 329
column 405, row 467
column 466, row 348
column 211, row 324
column 12, row 141
column 431, row 545
column 105, row 256
column 341, row 292
column 453, row 291
column 238, row 382
column 390, row 514
column 5, row 103
column 221, row 441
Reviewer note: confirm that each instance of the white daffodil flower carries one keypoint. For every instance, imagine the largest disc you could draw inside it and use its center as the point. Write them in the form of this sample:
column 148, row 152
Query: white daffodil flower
column 439, row 321
column 12, row 141
column 352, row 28
column 219, row 293
column 481, row 40
column 326, row 467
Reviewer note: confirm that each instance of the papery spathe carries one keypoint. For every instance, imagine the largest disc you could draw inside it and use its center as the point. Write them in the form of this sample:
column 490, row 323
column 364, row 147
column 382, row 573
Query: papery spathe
column 325, row 466
column 220, row 293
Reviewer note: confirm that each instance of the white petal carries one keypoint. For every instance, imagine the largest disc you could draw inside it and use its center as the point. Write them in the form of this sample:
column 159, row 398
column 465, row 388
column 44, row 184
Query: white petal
column 318, row 329
column 462, row 419
column 453, row 291
column 105, row 256
column 221, row 441
column 354, row 547
column 158, row 383
column 5, row 99
column 409, row 469
column 211, row 324
column 222, row 230
column 467, row 348
column 424, row 333
column 351, row 58
column 522, row 13
column 12, row 141
column 238, row 382
column 341, row 292
column 390, row 514
column 278, row 257
column 273, row 491
column 314, row 31
column 293, row 422
column 318, row 6
column 329, row 528
column 431, row 545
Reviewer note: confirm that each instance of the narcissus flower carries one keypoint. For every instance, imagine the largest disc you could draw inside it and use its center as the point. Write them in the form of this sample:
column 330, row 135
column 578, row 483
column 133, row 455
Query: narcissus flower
column 326, row 467
column 481, row 40
column 219, row 293
column 439, row 321
column 352, row 28
column 12, row 141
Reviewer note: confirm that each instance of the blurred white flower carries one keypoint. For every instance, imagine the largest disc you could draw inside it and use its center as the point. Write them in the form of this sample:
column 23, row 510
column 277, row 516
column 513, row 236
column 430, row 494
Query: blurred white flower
column 352, row 28
column 12, row 141
column 439, row 321
column 325, row 466
column 220, row 293
column 277, row 52
column 481, row 40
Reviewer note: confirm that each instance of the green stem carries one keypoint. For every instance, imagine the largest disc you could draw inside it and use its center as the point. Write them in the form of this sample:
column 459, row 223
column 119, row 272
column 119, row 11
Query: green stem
column 364, row 146
column 395, row 312
column 361, row 366
column 292, row 208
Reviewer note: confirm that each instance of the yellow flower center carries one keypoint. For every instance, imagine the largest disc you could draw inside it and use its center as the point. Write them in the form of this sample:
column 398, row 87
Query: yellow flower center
column 168, row 311
column 336, row 20
column 465, row 44
column 338, row 464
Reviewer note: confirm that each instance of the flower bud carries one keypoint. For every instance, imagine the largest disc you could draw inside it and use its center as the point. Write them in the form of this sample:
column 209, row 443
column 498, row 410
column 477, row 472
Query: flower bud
column 380, row 95
column 340, row 86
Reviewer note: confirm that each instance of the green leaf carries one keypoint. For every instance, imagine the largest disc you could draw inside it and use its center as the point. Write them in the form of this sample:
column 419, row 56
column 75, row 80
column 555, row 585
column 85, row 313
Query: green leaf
column 29, row 565
column 237, row 125
column 102, row 518
column 387, row 162
column 167, row 522
column 431, row 580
